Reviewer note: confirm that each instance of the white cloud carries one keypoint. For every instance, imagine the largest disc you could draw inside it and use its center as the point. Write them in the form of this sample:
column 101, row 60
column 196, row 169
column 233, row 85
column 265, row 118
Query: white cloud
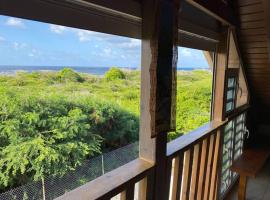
column 15, row 22
column 132, row 43
column 185, row 52
column 84, row 35
column 57, row 29
column 18, row 46
column 34, row 53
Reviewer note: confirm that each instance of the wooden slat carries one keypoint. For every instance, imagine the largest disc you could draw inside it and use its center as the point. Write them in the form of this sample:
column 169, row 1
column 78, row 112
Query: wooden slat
column 191, row 156
column 255, row 8
column 209, row 168
column 257, row 61
column 185, row 176
column 252, row 25
column 257, row 56
column 256, row 50
column 252, row 17
column 254, row 38
column 248, row 2
column 203, row 167
column 198, row 168
column 195, row 171
column 142, row 193
column 123, row 195
column 212, row 164
column 249, row 32
column 177, row 176
column 214, row 168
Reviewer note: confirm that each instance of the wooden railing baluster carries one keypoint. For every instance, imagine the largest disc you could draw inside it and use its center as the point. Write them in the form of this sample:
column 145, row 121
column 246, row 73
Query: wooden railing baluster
column 191, row 156
column 194, row 176
column 200, row 158
column 208, row 168
column 214, row 169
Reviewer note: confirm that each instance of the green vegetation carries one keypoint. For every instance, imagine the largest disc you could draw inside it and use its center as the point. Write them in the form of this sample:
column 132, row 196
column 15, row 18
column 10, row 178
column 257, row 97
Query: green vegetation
column 114, row 73
column 52, row 121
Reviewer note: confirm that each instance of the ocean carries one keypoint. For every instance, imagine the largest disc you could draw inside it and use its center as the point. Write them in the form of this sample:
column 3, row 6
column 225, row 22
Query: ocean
column 10, row 70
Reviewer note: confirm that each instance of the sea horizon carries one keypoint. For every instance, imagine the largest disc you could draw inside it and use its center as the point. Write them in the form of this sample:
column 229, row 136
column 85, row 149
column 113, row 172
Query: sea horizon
column 98, row 70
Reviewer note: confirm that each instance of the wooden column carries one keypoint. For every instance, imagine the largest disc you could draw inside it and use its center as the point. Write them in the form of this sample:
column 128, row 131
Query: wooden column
column 159, row 28
column 221, row 64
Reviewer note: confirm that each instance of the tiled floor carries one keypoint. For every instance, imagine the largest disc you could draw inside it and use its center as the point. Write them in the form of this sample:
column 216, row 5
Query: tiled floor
column 258, row 188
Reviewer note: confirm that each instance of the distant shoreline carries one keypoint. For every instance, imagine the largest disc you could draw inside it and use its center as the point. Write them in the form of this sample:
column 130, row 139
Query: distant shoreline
column 11, row 70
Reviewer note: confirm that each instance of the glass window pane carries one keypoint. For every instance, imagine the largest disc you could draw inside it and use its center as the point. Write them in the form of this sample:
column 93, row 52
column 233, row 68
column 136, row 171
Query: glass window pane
column 231, row 82
column 230, row 94
column 229, row 106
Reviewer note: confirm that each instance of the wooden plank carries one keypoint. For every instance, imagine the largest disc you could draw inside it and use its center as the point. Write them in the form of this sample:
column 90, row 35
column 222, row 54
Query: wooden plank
column 191, row 160
column 177, row 176
column 195, row 172
column 202, row 173
column 184, row 142
column 112, row 183
column 185, row 176
column 250, row 162
column 252, row 25
column 198, row 168
column 248, row 2
column 257, row 56
column 257, row 61
column 208, row 168
column 213, row 182
column 256, row 50
column 219, row 166
column 255, row 8
column 254, row 38
column 142, row 193
column 123, row 195
column 147, row 145
column 252, row 17
column 219, row 77
column 88, row 16
column 249, row 32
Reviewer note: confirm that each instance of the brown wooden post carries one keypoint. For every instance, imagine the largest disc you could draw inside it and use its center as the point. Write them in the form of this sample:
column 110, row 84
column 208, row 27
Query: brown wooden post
column 159, row 27
column 221, row 64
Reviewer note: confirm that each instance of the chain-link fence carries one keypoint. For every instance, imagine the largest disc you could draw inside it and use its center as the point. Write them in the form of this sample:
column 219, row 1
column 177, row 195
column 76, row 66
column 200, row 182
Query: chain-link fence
column 52, row 187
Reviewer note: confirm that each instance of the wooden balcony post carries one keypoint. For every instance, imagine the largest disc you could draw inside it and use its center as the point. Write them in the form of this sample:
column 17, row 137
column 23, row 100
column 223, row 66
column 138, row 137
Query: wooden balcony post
column 159, row 54
column 221, row 64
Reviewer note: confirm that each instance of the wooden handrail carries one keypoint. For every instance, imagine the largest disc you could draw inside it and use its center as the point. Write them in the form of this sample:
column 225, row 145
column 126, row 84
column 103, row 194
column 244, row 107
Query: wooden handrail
column 184, row 142
column 112, row 183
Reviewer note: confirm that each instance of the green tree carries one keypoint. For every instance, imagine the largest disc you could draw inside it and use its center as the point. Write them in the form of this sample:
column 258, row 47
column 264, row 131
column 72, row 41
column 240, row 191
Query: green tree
column 114, row 73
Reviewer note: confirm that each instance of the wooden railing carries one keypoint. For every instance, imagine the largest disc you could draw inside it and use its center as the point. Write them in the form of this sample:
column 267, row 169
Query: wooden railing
column 197, row 168
column 194, row 160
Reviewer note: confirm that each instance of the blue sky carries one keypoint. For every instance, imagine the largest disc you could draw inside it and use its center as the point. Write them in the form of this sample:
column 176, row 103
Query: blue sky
column 30, row 43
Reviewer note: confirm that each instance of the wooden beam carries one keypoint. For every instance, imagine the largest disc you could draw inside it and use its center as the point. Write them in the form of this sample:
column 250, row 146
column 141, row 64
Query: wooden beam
column 219, row 77
column 120, row 18
column 218, row 9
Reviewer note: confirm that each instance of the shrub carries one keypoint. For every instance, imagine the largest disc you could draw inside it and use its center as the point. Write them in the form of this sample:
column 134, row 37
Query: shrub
column 68, row 74
column 114, row 73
